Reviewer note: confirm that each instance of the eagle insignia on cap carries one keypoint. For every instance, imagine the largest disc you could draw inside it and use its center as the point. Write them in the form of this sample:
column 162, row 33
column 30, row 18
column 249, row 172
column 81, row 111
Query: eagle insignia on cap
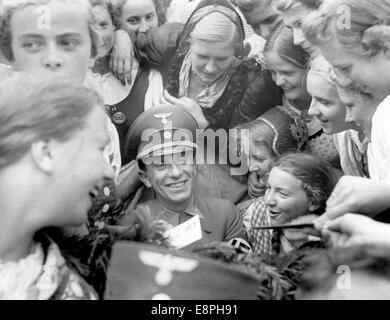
column 163, row 117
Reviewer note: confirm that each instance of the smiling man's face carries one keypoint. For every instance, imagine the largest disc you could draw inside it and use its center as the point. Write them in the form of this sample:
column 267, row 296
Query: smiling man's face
column 170, row 179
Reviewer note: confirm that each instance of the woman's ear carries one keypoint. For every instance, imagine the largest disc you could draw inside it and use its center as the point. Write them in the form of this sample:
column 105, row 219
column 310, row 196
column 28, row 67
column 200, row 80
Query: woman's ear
column 42, row 155
column 144, row 178
column 313, row 207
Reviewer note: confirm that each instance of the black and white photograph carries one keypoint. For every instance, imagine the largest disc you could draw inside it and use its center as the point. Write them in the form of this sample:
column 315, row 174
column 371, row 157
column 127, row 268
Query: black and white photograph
column 202, row 152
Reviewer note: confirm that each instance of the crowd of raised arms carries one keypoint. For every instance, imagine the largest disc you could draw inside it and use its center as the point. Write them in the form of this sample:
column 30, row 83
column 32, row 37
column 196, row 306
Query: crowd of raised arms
column 246, row 131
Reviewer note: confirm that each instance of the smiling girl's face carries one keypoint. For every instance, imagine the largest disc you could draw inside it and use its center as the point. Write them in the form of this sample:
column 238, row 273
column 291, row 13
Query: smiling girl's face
column 285, row 197
column 326, row 105
column 373, row 74
column 288, row 76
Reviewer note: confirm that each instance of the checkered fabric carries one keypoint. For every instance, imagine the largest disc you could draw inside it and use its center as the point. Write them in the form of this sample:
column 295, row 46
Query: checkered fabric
column 261, row 240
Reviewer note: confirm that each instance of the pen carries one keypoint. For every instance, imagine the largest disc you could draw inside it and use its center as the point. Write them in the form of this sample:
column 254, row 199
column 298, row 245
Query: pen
column 287, row 226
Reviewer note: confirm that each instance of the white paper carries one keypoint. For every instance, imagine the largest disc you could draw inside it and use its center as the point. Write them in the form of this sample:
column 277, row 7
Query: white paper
column 186, row 233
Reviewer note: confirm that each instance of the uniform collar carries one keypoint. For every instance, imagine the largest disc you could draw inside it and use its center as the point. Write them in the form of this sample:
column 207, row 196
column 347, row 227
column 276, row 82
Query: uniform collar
column 191, row 209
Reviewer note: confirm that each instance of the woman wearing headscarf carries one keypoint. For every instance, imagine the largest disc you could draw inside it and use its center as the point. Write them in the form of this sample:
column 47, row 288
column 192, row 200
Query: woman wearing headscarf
column 204, row 72
column 278, row 131
column 203, row 67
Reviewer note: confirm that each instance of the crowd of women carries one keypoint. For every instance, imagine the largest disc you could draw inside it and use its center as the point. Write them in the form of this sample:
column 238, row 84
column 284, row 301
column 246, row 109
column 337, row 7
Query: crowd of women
column 300, row 87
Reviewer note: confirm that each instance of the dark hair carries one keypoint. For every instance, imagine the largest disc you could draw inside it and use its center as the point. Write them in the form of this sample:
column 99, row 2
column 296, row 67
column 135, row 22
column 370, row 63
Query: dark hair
column 281, row 42
column 161, row 7
column 315, row 174
column 322, row 266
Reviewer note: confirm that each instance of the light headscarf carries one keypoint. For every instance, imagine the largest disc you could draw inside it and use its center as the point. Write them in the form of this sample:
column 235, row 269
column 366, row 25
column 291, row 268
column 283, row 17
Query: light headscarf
column 215, row 27
column 206, row 8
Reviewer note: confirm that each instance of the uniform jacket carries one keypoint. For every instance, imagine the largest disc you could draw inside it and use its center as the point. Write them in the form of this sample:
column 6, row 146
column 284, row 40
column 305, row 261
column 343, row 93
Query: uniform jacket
column 219, row 218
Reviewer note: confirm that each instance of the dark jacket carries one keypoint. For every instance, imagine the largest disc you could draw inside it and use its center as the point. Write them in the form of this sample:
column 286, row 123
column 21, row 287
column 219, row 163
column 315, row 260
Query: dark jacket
column 220, row 219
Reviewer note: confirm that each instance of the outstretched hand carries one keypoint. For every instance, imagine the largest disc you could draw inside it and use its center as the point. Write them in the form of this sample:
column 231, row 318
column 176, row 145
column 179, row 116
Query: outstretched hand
column 355, row 229
column 357, row 195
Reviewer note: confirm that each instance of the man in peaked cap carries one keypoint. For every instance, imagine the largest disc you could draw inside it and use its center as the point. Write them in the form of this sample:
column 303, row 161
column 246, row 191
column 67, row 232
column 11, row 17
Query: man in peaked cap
column 162, row 139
